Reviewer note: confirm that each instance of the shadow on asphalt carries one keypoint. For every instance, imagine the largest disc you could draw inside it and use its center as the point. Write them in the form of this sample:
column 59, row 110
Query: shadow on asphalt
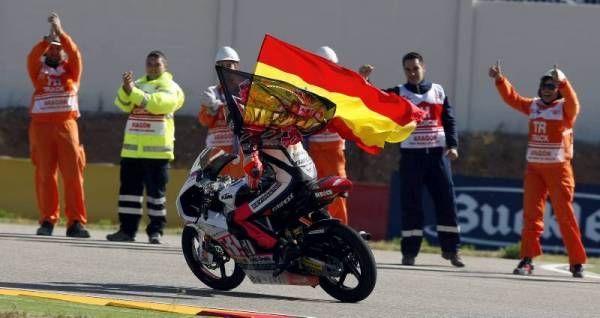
column 169, row 294
column 90, row 243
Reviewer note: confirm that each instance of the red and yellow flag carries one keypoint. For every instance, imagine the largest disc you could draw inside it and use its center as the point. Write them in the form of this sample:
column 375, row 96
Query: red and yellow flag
column 364, row 113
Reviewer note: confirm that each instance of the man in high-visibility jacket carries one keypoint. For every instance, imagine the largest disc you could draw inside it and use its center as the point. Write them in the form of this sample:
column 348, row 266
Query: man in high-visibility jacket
column 212, row 114
column 53, row 131
column 148, row 145
column 552, row 117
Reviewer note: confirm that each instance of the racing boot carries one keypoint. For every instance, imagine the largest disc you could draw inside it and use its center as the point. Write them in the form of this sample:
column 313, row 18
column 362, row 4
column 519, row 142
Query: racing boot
column 525, row 267
column 285, row 255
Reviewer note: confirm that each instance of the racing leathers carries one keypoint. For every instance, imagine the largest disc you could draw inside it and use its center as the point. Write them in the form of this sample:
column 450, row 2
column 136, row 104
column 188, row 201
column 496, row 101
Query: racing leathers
column 281, row 151
column 548, row 171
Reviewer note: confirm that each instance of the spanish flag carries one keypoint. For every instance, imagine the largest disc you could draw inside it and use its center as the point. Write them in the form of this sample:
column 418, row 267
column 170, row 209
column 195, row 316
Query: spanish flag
column 364, row 114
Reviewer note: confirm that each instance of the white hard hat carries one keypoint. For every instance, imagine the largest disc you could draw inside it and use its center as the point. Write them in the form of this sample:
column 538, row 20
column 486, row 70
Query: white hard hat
column 226, row 53
column 561, row 75
column 328, row 53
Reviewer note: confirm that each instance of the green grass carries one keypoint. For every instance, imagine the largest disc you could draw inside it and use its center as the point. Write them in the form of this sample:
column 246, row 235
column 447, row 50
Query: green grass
column 102, row 224
column 27, row 307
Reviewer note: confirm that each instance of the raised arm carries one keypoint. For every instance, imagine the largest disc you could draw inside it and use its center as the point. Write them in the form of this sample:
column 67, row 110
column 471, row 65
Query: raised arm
column 507, row 91
column 34, row 64
column 74, row 62
column 68, row 45
column 571, row 107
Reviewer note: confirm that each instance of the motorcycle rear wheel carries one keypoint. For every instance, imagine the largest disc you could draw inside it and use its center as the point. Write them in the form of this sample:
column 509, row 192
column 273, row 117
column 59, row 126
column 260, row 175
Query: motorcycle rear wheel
column 346, row 250
column 215, row 274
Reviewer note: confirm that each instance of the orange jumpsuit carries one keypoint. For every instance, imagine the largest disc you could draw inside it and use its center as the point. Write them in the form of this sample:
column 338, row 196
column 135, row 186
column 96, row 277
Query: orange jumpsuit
column 327, row 151
column 53, row 132
column 549, row 171
column 219, row 134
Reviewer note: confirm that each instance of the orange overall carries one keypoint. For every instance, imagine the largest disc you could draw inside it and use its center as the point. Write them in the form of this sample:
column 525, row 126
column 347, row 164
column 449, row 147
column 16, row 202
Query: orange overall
column 327, row 151
column 219, row 134
column 548, row 172
column 53, row 132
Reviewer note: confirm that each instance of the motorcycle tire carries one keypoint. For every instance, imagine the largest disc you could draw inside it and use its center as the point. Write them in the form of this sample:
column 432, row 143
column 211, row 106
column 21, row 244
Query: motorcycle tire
column 189, row 238
column 357, row 259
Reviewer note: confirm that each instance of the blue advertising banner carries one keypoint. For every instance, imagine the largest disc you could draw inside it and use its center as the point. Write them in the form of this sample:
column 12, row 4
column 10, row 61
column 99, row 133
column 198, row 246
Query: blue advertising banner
column 490, row 214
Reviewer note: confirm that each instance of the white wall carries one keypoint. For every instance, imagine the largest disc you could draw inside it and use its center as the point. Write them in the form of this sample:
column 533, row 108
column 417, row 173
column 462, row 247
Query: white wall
column 529, row 39
column 114, row 36
column 458, row 38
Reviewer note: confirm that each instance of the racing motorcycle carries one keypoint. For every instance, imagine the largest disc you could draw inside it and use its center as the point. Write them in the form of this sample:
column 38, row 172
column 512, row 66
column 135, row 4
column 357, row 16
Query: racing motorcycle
column 327, row 253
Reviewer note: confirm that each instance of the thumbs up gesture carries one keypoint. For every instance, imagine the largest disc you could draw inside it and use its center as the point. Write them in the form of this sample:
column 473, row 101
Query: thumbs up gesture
column 555, row 75
column 495, row 70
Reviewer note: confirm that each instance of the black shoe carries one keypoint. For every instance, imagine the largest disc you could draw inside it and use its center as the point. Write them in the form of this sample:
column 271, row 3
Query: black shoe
column 576, row 270
column 120, row 236
column 454, row 259
column 77, row 230
column 45, row 229
column 525, row 267
column 155, row 238
column 364, row 235
column 408, row 260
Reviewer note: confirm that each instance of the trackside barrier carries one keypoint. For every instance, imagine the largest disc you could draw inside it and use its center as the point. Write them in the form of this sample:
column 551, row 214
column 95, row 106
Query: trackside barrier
column 368, row 203
column 490, row 214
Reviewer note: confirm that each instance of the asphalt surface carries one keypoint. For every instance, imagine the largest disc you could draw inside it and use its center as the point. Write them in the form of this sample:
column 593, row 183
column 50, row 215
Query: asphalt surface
column 432, row 288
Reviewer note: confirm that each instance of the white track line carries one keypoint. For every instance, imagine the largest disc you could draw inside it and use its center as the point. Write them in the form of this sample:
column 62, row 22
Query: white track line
column 564, row 269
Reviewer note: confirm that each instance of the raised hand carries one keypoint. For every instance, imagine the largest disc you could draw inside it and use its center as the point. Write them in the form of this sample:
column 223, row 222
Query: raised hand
column 127, row 78
column 365, row 71
column 56, row 26
column 495, row 70
column 555, row 74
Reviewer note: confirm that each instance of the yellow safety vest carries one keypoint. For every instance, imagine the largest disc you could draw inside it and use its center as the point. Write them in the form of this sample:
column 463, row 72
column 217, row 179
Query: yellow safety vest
column 150, row 129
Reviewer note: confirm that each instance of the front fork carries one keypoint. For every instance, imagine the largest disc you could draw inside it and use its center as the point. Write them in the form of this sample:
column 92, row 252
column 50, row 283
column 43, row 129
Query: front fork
column 203, row 256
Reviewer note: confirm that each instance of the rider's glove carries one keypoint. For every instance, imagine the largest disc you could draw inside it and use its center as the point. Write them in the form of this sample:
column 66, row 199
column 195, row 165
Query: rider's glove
column 254, row 170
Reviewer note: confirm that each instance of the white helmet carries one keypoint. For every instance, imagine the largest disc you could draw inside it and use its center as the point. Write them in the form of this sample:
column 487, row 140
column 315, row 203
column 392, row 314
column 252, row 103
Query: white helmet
column 561, row 75
column 226, row 53
column 328, row 53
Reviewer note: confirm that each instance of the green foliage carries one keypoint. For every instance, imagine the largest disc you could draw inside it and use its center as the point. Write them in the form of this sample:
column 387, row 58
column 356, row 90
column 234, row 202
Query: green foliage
column 511, row 251
column 6, row 214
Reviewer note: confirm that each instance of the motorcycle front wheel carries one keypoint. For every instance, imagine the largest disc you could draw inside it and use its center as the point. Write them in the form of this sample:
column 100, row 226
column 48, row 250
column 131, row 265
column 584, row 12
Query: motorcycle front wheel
column 209, row 261
column 354, row 271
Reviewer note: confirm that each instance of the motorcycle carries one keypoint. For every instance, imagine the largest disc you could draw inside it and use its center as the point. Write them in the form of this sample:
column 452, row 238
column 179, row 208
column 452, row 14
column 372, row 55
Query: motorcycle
column 327, row 253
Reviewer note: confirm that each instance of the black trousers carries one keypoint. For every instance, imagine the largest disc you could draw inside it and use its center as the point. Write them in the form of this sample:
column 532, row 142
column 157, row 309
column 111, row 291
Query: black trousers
column 429, row 168
column 136, row 176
